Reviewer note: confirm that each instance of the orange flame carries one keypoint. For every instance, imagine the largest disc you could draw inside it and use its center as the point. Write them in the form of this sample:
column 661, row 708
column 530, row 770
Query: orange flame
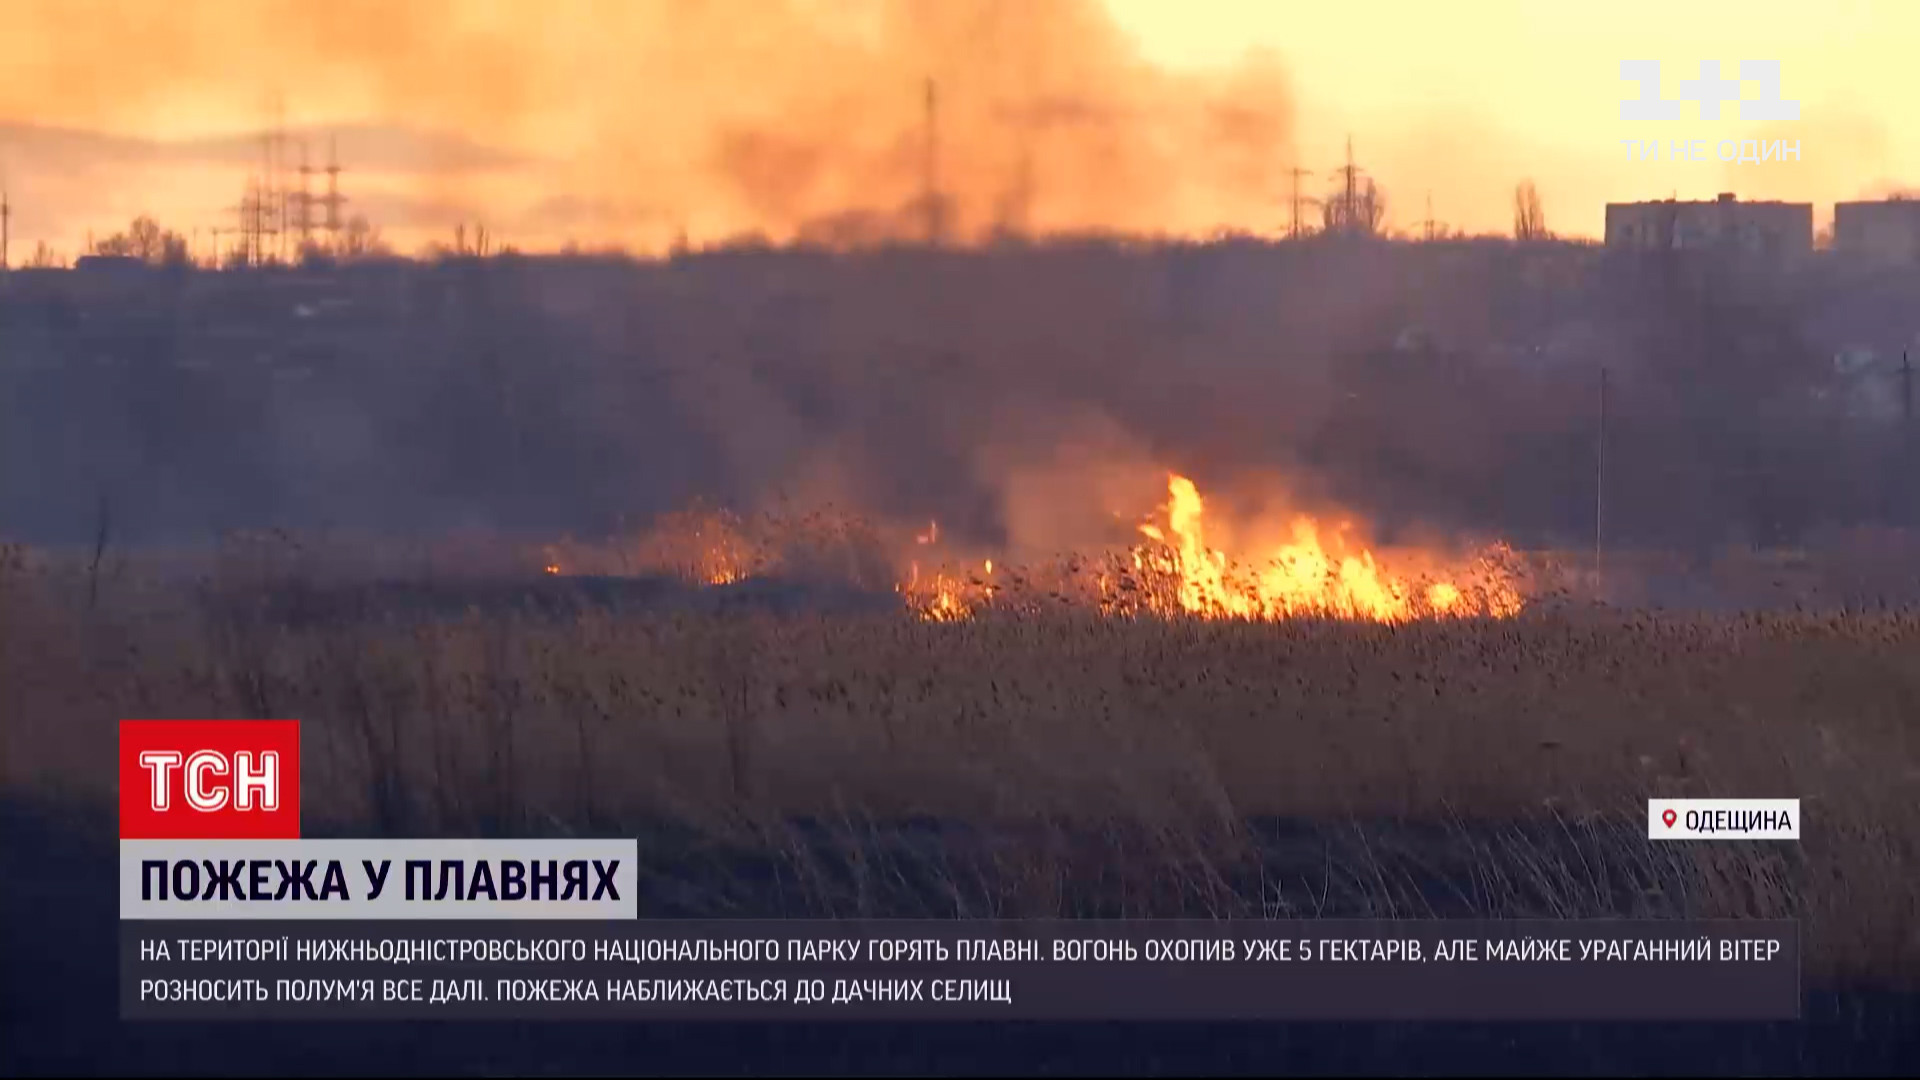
column 1299, row 578
column 1312, row 571
column 939, row 599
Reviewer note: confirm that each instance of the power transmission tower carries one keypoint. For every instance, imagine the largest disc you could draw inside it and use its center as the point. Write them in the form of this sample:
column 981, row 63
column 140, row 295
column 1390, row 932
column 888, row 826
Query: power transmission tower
column 334, row 199
column 1353, row 210
column 6, row 230
column 303, row 201
column 1013, row 212
column 1349, row 175
column 1296, row 200
column 217, row 232
column 246, row 229
column 274, row 204
column 1427, row 226
column 256, row 224
column 255, row 203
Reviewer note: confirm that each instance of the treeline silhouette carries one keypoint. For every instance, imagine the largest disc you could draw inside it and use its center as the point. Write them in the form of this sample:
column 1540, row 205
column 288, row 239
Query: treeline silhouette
column 147, row 241
column 1448, row 386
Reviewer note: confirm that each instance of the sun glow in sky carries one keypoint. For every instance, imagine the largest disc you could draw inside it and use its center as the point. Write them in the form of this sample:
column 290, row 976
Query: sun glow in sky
column 1462, row 99
column 629, row 122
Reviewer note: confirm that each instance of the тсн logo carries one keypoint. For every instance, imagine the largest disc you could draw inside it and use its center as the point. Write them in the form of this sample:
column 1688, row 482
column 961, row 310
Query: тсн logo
column 209, row 779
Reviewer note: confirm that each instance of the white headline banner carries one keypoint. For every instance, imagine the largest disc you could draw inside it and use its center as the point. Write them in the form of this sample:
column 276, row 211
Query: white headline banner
column 378, row 879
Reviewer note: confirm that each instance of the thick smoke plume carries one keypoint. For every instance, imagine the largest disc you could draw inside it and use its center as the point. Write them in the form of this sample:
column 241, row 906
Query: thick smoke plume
column 648, row 118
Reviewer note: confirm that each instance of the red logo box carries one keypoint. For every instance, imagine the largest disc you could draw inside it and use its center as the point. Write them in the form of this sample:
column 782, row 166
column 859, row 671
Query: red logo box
column 209, row 779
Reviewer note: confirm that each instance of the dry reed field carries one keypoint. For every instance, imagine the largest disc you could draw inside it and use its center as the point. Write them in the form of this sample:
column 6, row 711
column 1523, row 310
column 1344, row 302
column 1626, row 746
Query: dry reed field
column 1053, row 761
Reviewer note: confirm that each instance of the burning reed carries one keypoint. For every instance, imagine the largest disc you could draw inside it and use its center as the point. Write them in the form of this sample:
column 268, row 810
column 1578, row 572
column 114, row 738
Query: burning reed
column 1058, row 761
column 1308, row 570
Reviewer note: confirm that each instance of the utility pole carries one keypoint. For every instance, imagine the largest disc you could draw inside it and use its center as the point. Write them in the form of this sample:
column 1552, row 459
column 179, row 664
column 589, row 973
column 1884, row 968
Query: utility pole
column 1906, row 435
column 1600, row 491
column 1906, row 389
column 6, row 230
column 931, row 181
column 1349, row 170
column 1017, row 208
column 253, row 224
column 1351, row 205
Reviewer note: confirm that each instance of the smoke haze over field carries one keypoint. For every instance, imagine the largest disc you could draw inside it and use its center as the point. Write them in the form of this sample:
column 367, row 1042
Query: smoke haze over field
column 718, row 116
column 627, row 122
column 1031, row 399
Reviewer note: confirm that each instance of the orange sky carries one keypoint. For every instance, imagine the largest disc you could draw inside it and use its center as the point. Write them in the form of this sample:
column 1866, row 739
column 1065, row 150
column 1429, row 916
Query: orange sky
column 639, row 118
column 1458, row 99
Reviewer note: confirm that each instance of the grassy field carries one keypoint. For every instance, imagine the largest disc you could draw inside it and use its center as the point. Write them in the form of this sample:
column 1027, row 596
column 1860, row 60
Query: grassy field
column 1054, row 764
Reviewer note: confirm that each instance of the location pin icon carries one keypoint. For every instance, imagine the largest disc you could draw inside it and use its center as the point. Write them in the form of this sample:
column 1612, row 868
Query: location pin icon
column 1668, row 816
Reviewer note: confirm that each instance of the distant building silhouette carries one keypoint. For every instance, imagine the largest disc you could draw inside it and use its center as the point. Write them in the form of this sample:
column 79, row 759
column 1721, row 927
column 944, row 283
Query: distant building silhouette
column 1885, row 231
column 1771, row 229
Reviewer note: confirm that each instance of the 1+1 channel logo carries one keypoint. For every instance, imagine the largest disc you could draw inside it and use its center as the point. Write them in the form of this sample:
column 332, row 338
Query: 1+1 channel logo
column 1710, row 91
